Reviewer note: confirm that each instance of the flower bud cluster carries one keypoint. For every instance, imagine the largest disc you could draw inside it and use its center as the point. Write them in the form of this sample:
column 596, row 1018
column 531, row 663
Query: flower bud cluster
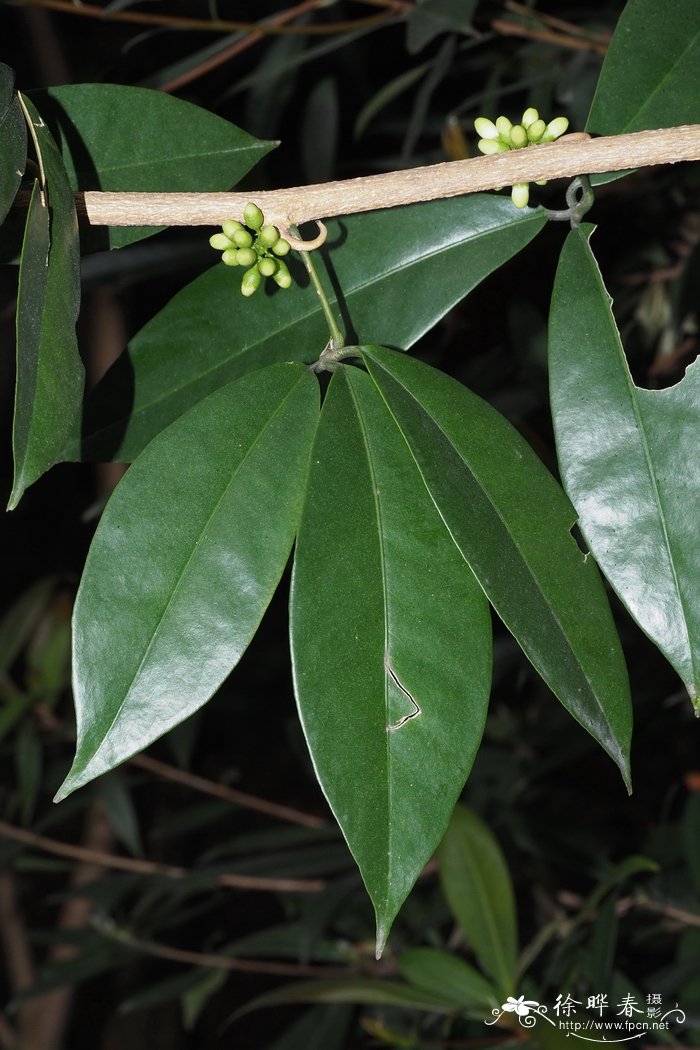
column 502, row 135
column 256, row 246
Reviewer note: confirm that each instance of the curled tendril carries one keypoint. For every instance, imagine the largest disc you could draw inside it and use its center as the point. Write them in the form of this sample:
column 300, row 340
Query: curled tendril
column 298, row 243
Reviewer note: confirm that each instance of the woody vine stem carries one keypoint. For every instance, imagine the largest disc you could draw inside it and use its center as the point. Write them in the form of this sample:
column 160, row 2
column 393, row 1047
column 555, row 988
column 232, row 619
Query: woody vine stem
column 570, row 156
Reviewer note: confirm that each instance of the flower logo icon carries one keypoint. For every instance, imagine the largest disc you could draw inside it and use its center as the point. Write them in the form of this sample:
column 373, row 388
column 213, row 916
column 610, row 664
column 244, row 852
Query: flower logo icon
column 520, row 1006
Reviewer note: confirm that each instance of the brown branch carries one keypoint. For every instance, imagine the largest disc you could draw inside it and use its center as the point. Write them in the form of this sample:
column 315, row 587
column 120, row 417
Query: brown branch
column 147, row 867
column 570, row 156
column 215, row 961
column 238, row 798
column 217, row 25
column 547, row 36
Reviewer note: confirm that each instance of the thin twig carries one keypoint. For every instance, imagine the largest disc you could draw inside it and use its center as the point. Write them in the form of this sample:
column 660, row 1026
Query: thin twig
column 547, row 36
column 216, row 25
column 570, row 28
column 147, row 867
column 570, row 156
column 238, row 798
column 238, row 46
column 215, row 961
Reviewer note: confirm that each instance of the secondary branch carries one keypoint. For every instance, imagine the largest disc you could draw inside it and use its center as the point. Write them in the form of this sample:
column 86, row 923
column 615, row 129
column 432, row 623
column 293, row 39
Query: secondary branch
column 570, row 156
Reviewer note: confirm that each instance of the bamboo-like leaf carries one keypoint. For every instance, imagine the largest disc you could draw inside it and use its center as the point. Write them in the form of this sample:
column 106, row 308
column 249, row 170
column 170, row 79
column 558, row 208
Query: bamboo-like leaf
column 449, row 976
column 480, row 893
column 209, row 334
column 362, row 991
column 178, row 147
column 185, row 561
column 629, row 462
column 50, row 374
column 391, row 645
column 13, row 137
column 512, row 523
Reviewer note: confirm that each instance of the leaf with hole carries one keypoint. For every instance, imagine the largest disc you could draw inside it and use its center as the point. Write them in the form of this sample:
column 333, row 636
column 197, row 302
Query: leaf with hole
column 512, row 523
column 391, row 645
column 209, row 334
column 184, row 563
column 629, row 462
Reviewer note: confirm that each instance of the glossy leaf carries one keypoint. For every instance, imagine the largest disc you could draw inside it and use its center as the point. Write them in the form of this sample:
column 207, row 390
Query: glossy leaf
column 512, row 523
column 391, row 645
column 185, row 561
column 178, row 147
column 449, row 976
column 651, row 73
column 477, row 885
column 50, row 374
column 209, row 334
column 628, row 458
column 13, row 137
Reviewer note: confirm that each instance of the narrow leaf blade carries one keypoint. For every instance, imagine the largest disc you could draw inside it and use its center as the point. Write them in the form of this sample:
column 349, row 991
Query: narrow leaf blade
column 209, row 334
column 50, row 374
column 447, row 975
column 479, row 891
column 185, row 561
column 628, row 459
column 391, row 645
column 13, row 136
column 512, row 523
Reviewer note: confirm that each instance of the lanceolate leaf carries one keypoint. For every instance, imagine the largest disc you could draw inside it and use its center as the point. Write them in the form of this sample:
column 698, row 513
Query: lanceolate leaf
column 185, row 561
column 629, row 461
column 383, row 261
column 651, row 74
column 391, row 645
column 512, row 523
column 480, row 894
column 13, row 140
column 50, row 375
column 120, row 138
column 451, row 977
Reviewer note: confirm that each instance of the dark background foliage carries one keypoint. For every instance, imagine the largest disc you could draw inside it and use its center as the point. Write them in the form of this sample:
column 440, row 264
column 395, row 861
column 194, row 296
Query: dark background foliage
column 98, row 967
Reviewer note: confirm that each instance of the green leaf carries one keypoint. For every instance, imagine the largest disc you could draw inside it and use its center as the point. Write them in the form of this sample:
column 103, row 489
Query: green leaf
column 50, row 374
column 185, row 561
column 362, row 991
column 628, row 459
column 428, row 18
column 320, row 1028
column 19, row 622
column 179, row 147
column 512, row 523
column 391, row 645
column 209, row 334
column 477, row 885
column 651, row 73
column 447, row 975
column 13, row 137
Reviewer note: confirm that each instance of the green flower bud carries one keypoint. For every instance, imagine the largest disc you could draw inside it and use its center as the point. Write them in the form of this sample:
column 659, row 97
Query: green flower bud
column 491, row 146
column 220, row 241
column 555, row 128
column 245, row 256
column 529, row 117
column 518, row 136
column 269, row 236
column 242, row 239
column 253, row 216
column 229, row 257
column 250, row 282
column 268, row 267
column 520, row 194
column 541, row 182
column 536, row 130
column 283, row 277
column 282, row 247
column 230, row 227
column 504, row 125
column 485, row 128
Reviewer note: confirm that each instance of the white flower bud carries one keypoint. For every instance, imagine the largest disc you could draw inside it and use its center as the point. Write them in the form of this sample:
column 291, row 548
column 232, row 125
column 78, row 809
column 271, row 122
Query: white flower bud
column 491, row 146
column 504, row 125
column 485, row 128
column 555, row 128
column 520, row 194
column 529, row 117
